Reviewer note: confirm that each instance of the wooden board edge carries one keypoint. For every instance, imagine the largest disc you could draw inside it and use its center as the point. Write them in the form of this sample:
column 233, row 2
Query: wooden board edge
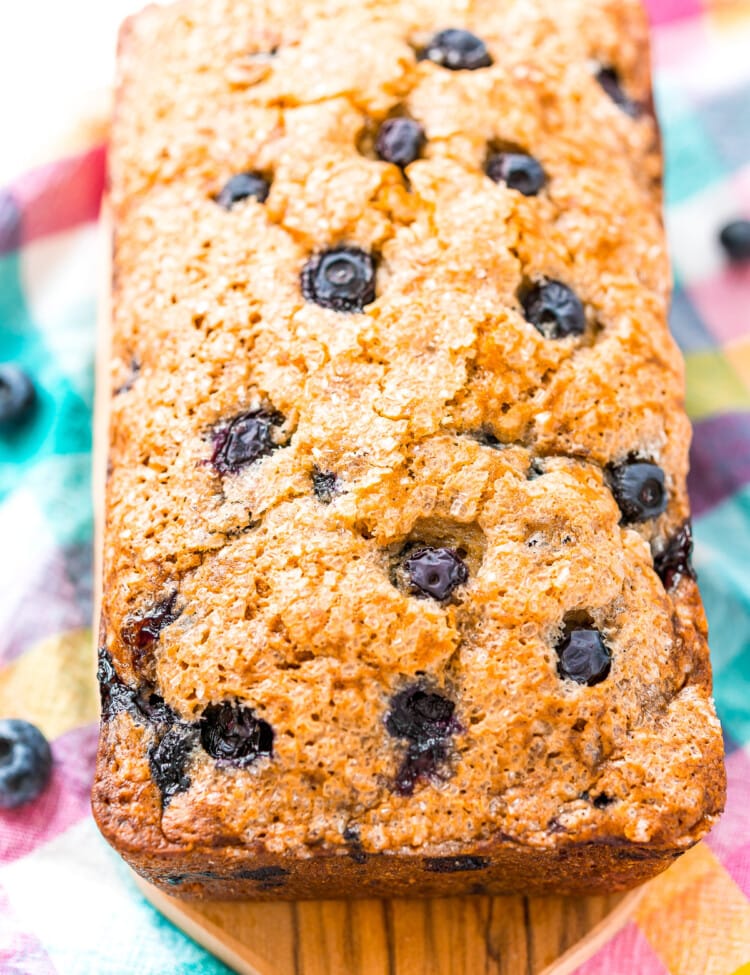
column 215, row 939
column 604, row 931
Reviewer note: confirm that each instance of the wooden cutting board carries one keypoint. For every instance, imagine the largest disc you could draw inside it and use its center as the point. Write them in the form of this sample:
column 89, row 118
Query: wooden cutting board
column 474, row 935
column 451, row 936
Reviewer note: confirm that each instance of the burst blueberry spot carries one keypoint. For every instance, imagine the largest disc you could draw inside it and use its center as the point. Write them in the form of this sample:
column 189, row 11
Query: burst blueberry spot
column 426, row 721
column 245, row 439
column 169, row 759
column 233, row 735
column 115, row 695
column 325, row 485
column 456, row 864
column 674, row 560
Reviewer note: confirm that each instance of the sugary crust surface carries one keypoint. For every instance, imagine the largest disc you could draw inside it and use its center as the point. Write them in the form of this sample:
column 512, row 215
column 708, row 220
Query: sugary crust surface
column 288, row 605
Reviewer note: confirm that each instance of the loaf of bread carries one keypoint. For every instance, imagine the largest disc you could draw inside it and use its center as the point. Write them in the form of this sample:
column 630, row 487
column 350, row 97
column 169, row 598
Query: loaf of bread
column 397, row 591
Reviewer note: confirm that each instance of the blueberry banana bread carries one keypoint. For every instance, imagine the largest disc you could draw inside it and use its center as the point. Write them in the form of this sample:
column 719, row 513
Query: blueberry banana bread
column 397, row 593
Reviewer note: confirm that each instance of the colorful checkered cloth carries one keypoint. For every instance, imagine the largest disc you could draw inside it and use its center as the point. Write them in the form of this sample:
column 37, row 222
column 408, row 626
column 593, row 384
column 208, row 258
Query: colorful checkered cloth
column 67, row 904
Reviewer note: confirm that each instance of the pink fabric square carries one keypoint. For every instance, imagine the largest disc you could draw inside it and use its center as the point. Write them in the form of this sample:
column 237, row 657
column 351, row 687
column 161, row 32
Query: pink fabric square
column 722, row 301
column 729, row 839
column 62, row 194
column 626, row 954
column 663, row 11
column 741, row 186
column 680, row 43
column 20, row 952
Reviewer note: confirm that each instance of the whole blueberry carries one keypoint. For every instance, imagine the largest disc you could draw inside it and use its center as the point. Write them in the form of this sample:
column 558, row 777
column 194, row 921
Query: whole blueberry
column 638, row 487
column 735, row 239
column 244, row 439
column 25, row 762
column 240, row 187
column 610, row 81
column 233, row 735
column 517, row 170
column 400, row 141
column 583, row 656
column 17, row 395
column 554, row 310
column 435, row 572
column 674, row 560
column 342, row 278
column 457, row 50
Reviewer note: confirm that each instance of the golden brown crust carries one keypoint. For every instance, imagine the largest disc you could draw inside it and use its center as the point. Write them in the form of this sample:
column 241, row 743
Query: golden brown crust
column 432, row 409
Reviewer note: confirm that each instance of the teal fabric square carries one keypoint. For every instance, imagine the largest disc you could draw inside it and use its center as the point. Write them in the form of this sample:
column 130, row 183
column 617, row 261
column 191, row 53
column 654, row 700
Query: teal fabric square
column 693, row 162
column 722, row 546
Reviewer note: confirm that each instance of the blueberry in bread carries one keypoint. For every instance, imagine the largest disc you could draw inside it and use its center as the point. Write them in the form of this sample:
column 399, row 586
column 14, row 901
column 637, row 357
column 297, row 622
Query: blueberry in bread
column 397, row 595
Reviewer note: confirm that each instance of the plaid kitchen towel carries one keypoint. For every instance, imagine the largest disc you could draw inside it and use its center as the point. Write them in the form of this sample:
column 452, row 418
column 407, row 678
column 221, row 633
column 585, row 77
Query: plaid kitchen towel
column 67, row 904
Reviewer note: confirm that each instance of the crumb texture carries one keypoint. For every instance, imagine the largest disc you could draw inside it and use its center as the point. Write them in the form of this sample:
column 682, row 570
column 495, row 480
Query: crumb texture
column 398, row 456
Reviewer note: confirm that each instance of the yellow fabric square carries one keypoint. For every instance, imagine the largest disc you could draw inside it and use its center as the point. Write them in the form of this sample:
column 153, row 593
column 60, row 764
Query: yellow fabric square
column 696, row 918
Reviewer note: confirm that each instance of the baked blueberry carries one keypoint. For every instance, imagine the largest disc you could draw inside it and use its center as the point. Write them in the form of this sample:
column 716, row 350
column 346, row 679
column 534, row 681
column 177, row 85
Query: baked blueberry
column 517, row 170
column 342, row 278
column 233, row 735
column 583, row 656
column 17, row 395
column 325, row 485
column 435, row 572
column 638, row 487
column 154, row 708
column 554, row 310
column 421, row 716
column 400, row 141
column 426, row 721
column 455, row 864
column 141, row 630
column 420, row 764
column 244, row 440
column 133, row 372
column 25, row 762
column 240, row 187
column 674, row 561
column 735, row 239
column 610, row 81
column 115, row 695
column 602, row 801
column 169, row 759
column 457, row 50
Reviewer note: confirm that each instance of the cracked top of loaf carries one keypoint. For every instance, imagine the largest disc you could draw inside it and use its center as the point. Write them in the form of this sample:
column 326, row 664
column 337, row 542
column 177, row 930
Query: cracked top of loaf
column 397, row 539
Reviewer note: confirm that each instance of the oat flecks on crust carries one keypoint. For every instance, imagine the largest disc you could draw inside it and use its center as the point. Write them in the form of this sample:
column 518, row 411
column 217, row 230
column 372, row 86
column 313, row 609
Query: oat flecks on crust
column 449, row 415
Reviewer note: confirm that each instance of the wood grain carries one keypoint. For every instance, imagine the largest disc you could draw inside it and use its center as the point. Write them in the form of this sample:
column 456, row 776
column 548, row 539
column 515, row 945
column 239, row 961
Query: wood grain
column 453, row 936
